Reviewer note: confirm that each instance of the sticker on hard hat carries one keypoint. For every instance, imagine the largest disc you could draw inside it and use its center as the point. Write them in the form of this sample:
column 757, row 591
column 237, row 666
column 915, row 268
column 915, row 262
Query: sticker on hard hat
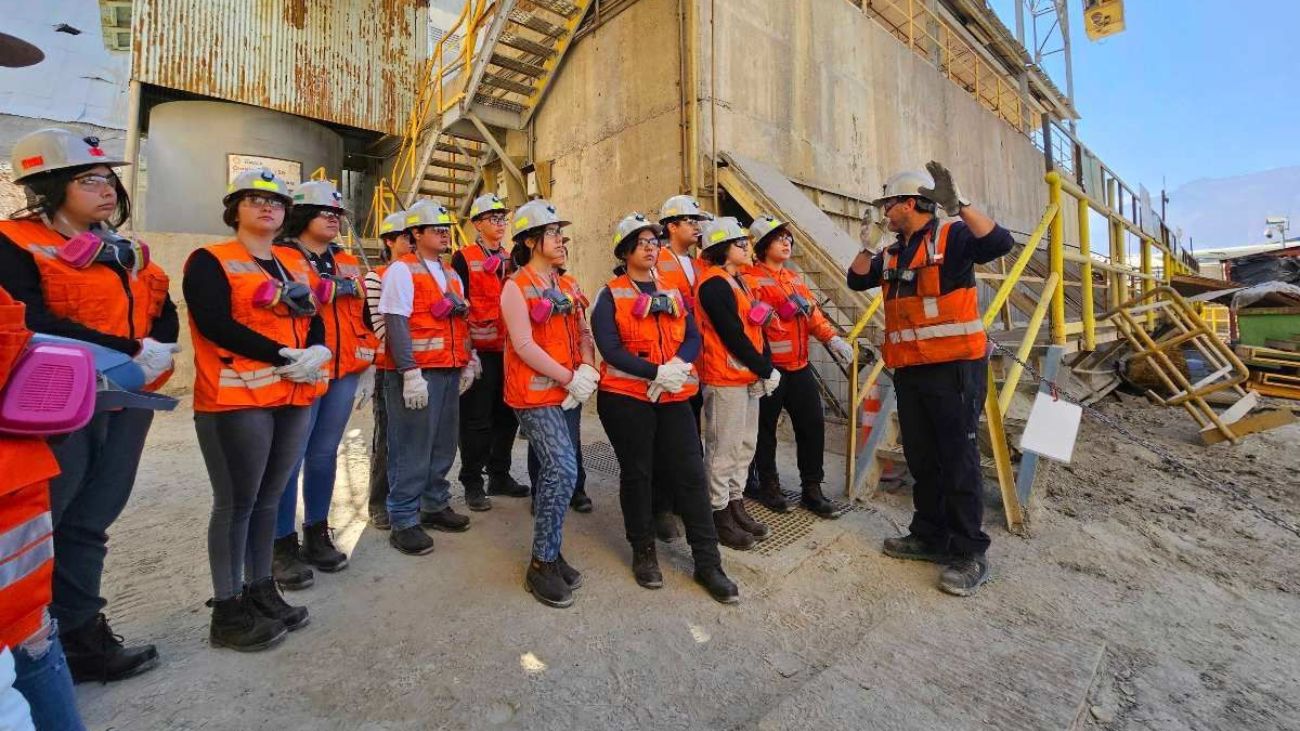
column 413, row 218
column 266, row 185
column 444, row 218
column 385, row 228
column 31, row 162
column 717, row 235
column 521, row 223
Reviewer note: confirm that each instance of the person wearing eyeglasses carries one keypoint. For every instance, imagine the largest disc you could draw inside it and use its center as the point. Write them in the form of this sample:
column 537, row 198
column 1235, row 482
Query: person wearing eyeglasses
column 260, row 361
column 78, row 278
column 312, row 227
column 647, row 339
column 798, row 320
column 736, row 371
column 487, row 424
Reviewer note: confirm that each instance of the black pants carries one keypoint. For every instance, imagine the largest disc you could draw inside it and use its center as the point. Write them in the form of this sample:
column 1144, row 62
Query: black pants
column 487, row 425
column 798, row 395
column 938, row 417
column 379, row 446
column 658, row 444
column 662, row 494
column 574, row 419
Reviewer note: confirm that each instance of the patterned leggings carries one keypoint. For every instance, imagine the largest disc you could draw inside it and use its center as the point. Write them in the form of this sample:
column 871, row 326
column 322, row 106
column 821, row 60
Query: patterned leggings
column 547, row 431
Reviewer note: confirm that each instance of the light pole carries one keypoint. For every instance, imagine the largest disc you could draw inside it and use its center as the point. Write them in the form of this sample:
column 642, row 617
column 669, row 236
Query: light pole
column 1277, row 225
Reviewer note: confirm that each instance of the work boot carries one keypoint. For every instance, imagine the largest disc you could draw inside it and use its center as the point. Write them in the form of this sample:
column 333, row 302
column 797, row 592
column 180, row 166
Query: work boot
column 264, row 599
column 506, row 485
column 545, row 582
column 645, row 567
column 95, row 653
column 717, row 584
column 571, row 576
column 747, row 522
column 768, row 493
column 730, row 534
column 379, row 517
column 964, row 575
column 666, row 528
column 287, row 566
column 412, row 541
column 445, row 520
column 318, row 548
column 580, row 502
column 913, row 548
column 815, row 501
column 476, row 499
column 235, row 625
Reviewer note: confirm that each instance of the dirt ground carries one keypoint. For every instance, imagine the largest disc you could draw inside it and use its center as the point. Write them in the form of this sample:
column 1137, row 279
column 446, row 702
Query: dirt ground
column 1141, row 600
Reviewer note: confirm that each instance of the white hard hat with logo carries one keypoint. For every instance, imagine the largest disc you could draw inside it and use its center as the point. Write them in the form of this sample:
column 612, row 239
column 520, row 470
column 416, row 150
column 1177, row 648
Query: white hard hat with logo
column 320, row 193
column 486, row 204
column 393, row 224
column 723, row 230
column 681, row 206
column 632, row 225
column 905, row 184
column 50, row 149
column 764, row 225
column 535, row 214
column 258, row 181
column 428, row 212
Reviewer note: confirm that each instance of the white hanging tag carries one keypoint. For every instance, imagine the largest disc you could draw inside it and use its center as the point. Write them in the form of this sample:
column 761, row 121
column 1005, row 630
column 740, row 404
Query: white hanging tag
column 1052, row 429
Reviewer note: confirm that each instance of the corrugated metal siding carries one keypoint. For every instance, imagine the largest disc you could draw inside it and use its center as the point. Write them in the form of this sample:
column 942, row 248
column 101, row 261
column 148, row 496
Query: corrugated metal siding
column 352, row 62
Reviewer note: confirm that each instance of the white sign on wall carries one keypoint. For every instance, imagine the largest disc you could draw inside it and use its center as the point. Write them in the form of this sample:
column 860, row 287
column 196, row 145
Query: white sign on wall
column 290, row 170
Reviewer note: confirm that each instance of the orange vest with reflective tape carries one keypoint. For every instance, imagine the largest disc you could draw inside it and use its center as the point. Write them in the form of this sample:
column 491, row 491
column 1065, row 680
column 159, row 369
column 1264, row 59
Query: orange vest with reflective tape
column 655, row 338
column 560, row 336
column 346, row 335
column 717, row 366
column 669, row 270
column 788, row 339
column 96, row 296
column 435, row 342
column 486, row 330
column 924, row 324
column 226, row 381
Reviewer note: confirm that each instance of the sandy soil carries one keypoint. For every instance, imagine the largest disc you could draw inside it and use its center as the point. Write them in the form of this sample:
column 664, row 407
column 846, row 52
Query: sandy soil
column 1141, row 600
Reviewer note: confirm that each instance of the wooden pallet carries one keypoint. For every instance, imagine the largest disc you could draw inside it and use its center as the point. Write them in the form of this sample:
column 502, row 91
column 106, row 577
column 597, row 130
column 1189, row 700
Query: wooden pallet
column 1268, row 389
column 1267, row 357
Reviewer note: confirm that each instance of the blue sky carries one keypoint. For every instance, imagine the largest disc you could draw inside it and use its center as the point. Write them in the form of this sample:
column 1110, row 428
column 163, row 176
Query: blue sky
column 1192, row 89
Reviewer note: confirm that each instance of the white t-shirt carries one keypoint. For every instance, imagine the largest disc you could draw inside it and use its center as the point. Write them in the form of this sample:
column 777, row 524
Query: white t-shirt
column 688, row 267
column 397, row 294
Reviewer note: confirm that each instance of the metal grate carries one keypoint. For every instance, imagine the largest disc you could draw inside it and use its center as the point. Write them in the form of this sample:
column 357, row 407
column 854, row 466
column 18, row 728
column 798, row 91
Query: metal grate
column 787, row 528
column 600, row 457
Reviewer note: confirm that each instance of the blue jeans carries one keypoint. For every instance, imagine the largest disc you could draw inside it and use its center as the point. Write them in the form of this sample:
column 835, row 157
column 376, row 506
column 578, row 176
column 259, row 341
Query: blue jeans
column 329, row 417
column 575, row 433
column 547, row 429
column 46, row 683
column 421, row 446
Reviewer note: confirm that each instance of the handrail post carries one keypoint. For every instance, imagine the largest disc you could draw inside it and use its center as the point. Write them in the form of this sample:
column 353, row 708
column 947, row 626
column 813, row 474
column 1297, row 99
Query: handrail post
column 1085, row 277
column 1147, row 284
column 1118, row 282
column 1056, row 252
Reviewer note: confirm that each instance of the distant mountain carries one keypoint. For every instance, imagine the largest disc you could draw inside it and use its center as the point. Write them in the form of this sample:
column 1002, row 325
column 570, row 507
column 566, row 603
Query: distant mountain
column 1221, row 212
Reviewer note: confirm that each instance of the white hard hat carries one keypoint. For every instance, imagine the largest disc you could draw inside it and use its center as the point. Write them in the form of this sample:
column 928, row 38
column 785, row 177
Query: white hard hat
column 534, row 214
column 723, row 230
column 906, row 183
column 427, row 212
column 484, row 204
column 764, row 225
column 681, row 206
column 631, row 225
column 258, row 181
column 56, row 149
column 393, row 224
column 319, row 193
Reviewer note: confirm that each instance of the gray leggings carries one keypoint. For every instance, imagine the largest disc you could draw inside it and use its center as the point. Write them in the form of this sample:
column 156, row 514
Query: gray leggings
column 249, row 454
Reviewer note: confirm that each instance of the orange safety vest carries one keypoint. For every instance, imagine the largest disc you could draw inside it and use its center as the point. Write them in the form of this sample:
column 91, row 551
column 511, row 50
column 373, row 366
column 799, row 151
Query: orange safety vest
column 435, row 342
column 226, row 381
column 924, row 324
column 96, row 296
column 26, row 527
column 655, row 338
column 560, row 336
column 382, row 361
column 346, row 335
column 717, row 366
column 669, row 270
column 486, row 329
column 788, row 339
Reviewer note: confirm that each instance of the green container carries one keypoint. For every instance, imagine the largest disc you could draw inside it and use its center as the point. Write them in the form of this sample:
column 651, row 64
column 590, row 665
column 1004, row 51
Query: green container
column 1257, row 325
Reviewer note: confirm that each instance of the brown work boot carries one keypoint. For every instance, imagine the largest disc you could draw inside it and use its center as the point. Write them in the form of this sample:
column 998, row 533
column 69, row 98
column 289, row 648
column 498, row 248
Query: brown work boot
column 769, row 494
column 747, row 522
column 730, row 534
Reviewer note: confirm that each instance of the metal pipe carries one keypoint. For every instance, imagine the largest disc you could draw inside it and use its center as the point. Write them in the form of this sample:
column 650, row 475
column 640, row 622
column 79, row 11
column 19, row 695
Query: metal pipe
column 1085, row 276
column 132, row 141
column 1056, row 257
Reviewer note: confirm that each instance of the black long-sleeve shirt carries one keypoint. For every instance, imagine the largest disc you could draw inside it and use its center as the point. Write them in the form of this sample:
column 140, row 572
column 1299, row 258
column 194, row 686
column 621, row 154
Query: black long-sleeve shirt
column 604, row 328
column 207, row 293
column 21, row 278
column 964, row 251
column 719, row 304
column 461, row 266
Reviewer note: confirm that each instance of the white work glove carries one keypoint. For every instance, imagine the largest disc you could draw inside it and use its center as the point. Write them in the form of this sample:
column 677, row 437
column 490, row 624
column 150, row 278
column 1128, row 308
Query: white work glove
column 304, row 365
column 415, row 390
column 581, row 386
column 476, row 364
column 365, row 387
column 840, row 348
column 467, row 377
column 944, row 193
column 771, row 382
column 671, row 376
column 654, row 392
column 872, row 231
column 155, row 356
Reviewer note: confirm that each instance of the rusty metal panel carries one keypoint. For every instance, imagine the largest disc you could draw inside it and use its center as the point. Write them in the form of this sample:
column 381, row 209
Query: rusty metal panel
column 351, row 62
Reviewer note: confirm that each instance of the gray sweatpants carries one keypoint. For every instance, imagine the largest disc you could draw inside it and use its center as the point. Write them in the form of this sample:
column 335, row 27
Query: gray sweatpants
column 730, row 420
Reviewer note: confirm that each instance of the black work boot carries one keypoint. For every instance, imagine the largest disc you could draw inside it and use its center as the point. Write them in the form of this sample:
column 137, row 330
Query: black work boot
column 264, row 599
column 747, row 522
column 412, row 541
column 476, row 499
column 318, row 548
column 445, row 520
column 730, row 534
column 235, row 625
column 580, row 502
column 813, row 499
column 964, row 575
column 666, row 528
column 287, row 566
column 768, row 493
column 645, row 567
column 379, row 517
column 914, row 548
column 95, row 653
column 717, row 584
column 571, row 576
column 505, row 485
column 545, row 582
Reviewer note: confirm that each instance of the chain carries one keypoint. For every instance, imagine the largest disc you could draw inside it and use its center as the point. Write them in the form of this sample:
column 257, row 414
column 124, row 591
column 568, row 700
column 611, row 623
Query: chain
column 1235, row 492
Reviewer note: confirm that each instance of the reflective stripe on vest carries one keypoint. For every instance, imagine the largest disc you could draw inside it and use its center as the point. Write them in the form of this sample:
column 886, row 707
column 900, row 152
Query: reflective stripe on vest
column 435, row 342
column 25, row 547
column 930, row 332
column 485, row 327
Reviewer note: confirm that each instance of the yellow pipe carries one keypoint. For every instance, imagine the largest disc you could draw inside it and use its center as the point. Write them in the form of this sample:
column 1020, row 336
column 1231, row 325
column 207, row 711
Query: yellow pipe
column 1056, row 251
column 866, row 317
column 1013, row 274
column 1085, row 276
column 1052, row 285
column 1147, row 284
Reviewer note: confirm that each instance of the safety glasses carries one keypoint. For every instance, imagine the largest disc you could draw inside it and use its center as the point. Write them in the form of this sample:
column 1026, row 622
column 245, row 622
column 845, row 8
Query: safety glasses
column 260, row 201
column 95, row 182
